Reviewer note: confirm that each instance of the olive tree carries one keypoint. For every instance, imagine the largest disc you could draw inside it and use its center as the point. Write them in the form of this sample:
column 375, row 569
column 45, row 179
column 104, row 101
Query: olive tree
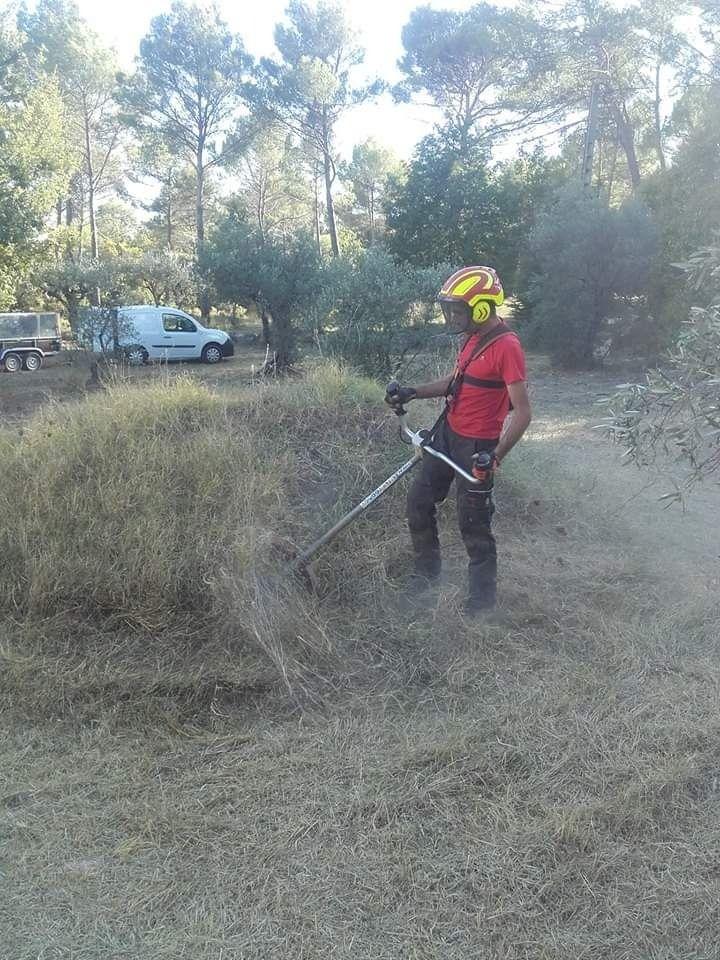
column 672, row 421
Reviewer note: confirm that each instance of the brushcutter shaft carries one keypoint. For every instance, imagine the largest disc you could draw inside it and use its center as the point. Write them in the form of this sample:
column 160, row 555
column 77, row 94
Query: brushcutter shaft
column 418, row 440
column 356, row 511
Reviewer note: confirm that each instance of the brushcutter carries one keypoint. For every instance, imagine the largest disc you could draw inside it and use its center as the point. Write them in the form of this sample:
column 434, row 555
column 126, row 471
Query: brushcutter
column 420, row 442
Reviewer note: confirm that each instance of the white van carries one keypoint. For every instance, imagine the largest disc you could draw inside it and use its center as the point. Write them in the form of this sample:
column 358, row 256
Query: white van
column 164, row 333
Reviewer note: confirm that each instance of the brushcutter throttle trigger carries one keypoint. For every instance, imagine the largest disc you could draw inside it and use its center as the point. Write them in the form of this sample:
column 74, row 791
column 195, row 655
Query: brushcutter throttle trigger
column 483, row 468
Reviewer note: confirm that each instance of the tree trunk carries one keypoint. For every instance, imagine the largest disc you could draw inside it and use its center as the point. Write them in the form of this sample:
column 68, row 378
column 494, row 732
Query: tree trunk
column 81, row 221
column 316, row 210
column 262, row 208
column 627, row 141
column 72, row 303
column 332, row 226
column 329, row 178
column 658, row 119
column 281, row 345
column 95, row 294
column 265, row 321
column 203, row 294
column 613, row 164
column 168, row 225
column 590, row 136
column 91, row 190
column 372, row 212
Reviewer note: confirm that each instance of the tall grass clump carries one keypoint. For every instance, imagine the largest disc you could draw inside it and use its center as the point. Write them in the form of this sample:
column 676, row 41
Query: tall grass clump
column 170, row 513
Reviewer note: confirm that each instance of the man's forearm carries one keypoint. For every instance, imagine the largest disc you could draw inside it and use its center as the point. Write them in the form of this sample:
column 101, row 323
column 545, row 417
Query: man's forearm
column 515, row 426
column 427, row 391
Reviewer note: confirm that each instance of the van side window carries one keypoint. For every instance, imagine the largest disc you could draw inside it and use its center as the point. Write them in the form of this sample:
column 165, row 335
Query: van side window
column 173, row 323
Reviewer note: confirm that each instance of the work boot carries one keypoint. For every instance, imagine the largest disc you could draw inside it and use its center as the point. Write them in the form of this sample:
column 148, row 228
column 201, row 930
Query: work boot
column 482, row 588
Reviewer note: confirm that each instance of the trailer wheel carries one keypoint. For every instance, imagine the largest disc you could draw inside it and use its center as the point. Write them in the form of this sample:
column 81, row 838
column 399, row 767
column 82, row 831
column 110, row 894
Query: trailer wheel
column 13, row 362
column 32, row 362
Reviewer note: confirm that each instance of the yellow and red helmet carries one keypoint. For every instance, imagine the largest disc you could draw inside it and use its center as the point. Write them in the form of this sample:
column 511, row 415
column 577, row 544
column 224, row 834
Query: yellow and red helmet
column 475, row 288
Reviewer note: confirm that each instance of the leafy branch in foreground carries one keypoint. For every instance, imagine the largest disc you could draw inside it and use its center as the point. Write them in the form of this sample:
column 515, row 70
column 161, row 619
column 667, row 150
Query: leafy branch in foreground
column 675, row 415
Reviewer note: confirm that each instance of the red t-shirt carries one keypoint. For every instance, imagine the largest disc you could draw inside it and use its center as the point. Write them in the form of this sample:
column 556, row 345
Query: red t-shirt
column 478, row 411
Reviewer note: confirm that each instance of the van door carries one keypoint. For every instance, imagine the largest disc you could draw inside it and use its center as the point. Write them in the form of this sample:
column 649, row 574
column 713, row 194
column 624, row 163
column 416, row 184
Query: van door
column 150, row 334
column 181, row 337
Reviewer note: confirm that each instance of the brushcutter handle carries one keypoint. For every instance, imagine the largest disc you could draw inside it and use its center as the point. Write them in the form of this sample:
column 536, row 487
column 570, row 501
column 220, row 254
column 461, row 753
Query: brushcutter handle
column 419, row 438
column 393, row 390
column 485, row 460
column 483, row 468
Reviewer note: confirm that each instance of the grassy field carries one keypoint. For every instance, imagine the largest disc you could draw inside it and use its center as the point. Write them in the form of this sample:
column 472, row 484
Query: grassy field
column 203, row 761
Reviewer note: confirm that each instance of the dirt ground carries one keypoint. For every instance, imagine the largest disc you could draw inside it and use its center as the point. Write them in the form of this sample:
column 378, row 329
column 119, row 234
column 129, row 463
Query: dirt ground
column 679, row 544
column 543, row 789
column 68, row 376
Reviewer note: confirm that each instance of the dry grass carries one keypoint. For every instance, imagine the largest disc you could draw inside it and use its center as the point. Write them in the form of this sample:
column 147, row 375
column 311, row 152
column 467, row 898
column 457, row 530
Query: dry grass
column 211, row 764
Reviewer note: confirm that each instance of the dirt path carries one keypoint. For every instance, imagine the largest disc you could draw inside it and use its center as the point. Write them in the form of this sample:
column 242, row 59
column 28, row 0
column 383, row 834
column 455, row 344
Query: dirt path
column 679, row 544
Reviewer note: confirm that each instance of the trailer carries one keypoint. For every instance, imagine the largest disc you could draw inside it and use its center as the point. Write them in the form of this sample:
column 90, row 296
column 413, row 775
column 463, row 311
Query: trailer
column 27, row 338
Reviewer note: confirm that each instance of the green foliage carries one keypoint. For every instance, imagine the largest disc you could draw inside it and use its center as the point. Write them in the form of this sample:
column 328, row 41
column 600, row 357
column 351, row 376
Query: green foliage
column 468, row 62
column 686, row 199
column 187, row 84
column 672, row 421
column 273, row 183
column 71, row 283
column 62, row 46
column 165, row 275
column 186, row 92
column 368, row 172
column 375, row 311
column 34, row 162
column 454, row 210
column 173, row 208
column 309, row 89
column 34, row 169
column 282, row 277
column 13, row 63
column 589, row 268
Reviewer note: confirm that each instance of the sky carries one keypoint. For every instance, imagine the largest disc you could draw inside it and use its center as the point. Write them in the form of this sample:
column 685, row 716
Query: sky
column 379, row 24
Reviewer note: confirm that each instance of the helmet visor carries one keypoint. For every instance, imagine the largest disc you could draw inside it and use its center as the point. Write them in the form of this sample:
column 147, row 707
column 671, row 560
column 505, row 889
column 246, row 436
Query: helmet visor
column 456, row 313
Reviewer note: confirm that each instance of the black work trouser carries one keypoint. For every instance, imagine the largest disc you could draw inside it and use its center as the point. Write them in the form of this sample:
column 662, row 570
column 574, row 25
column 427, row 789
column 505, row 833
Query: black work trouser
column 474, row 507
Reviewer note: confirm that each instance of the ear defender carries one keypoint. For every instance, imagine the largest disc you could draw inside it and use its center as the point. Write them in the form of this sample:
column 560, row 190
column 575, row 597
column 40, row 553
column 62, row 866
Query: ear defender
column 481, row 312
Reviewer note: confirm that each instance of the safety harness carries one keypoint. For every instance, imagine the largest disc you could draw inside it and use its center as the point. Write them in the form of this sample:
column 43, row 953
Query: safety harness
column 460, row 375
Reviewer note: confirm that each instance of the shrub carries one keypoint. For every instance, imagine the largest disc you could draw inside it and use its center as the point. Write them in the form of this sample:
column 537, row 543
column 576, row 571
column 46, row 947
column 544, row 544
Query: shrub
column 374, row 310
column 588, row 266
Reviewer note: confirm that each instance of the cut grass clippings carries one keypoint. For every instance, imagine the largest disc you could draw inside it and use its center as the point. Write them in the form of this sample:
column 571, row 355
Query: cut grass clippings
column 203, row 761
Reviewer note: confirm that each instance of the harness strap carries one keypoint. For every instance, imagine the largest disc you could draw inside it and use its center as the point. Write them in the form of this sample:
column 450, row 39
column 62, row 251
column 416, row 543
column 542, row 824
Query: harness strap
column 488, row 384
column 502, row 330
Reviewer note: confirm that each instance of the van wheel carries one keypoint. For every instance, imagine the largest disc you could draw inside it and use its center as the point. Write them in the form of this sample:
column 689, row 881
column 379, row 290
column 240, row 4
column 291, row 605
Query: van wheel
column 13, row 362
column 33, row 362
column 211, row 353
column 136, row 356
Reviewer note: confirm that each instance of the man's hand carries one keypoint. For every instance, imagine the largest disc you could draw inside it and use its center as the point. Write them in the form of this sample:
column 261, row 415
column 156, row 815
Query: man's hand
column 397, row 396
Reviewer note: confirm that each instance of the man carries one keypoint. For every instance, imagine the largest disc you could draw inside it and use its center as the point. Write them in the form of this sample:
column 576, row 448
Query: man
column 487, row 410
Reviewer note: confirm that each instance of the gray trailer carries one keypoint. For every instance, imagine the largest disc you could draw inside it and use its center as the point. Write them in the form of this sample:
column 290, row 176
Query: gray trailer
column 27, row 338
